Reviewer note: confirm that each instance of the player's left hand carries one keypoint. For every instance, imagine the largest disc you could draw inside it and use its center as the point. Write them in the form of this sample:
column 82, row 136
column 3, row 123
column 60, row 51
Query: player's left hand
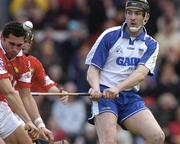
column 110, row 93
column 46, row 134
column 64, row 98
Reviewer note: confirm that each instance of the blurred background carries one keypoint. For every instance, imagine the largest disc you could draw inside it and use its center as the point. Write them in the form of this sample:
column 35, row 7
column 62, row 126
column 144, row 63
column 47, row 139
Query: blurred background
column 65, row 31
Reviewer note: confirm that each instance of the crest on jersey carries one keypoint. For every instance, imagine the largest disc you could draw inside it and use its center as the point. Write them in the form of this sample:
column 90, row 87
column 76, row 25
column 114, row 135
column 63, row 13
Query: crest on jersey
column 1, row 62
column 16, row 70
column 31, row 70
column 140, row 51
column 119, row 50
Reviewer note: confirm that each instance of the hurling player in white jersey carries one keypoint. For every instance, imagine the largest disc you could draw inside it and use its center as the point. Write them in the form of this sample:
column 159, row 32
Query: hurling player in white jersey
column 119, row 60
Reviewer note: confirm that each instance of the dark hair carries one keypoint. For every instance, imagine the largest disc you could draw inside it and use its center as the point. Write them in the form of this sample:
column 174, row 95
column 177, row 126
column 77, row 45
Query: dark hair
column 14, row 28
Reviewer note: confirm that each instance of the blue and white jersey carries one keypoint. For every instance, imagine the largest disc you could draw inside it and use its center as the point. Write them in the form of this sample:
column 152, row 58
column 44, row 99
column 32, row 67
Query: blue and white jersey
column 117, row 55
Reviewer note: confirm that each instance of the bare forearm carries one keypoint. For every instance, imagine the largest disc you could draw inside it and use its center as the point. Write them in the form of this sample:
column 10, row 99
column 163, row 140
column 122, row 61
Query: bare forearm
column 16, row 104
column 13, row 99
column 29, row 104
column 93, row 77
column 53, row 89
column 134, row 79
column 31, row 108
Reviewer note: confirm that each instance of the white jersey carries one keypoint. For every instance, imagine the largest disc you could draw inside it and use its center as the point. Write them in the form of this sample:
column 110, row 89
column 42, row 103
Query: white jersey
column 117, row 55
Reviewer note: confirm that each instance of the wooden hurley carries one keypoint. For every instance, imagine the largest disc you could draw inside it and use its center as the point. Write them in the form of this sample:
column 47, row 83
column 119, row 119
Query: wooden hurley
column 58, row 94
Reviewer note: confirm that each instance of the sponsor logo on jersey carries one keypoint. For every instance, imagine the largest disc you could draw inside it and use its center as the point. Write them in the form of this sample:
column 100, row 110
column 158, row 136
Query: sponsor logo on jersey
column 130, row 48
column 127, row 61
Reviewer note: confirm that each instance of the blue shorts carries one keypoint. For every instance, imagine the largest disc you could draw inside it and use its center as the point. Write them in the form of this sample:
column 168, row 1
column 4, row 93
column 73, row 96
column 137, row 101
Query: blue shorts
column 127, row 104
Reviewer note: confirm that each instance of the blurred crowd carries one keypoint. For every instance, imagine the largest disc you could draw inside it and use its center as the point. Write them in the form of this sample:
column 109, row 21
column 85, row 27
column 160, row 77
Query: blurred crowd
column 65, row 31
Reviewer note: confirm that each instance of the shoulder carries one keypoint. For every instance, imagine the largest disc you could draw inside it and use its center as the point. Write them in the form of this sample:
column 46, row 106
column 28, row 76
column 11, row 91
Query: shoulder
column 33, row 59
column 112, row 32
column 109, row 37
column 151, row 43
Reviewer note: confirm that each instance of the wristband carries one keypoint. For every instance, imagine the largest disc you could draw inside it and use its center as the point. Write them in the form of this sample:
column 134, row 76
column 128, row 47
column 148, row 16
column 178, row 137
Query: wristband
column 39, row 123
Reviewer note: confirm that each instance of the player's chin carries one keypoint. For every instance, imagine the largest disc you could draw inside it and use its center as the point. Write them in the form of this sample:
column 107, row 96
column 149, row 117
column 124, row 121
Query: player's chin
column 11, row 55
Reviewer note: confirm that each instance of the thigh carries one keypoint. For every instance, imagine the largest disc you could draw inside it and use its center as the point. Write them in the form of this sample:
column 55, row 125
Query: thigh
column 106, row 124
column 11, row 130
column 8, row 122
column 19, row 136
column 142, row 123
column 1, row 141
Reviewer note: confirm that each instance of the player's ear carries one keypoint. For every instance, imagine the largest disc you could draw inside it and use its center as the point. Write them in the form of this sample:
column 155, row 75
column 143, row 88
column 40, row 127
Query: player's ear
column 146, row 18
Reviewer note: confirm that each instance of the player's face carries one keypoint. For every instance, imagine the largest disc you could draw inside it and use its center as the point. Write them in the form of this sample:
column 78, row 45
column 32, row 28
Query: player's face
column 134, row 19
column 12, row 45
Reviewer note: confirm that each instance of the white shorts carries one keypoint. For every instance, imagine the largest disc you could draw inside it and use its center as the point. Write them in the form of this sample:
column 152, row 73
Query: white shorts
column 8, row 121
column 19, row 119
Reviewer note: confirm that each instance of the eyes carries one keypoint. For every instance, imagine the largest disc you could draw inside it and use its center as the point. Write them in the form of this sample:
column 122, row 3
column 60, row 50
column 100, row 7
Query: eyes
column 137, row 13
column 14, row 44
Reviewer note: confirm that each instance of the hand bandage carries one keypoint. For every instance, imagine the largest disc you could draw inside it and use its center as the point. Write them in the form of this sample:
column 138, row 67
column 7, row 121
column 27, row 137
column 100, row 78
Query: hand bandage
column 39, row 122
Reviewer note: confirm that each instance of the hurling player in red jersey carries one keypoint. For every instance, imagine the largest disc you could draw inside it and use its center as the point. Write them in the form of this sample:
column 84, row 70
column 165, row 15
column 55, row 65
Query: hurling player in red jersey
column 21, row 80
column 14, row 74
column 40, row 81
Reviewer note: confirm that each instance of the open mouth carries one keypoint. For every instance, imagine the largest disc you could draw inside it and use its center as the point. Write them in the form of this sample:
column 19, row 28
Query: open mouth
column 133, row 24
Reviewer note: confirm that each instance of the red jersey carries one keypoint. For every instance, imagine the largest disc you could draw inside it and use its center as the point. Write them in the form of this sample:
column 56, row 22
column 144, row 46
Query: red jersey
column 40, row 81
column 17, row 70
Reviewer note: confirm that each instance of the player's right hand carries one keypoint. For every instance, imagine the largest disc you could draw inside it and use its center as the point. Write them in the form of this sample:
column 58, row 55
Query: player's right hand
column 110, row 93
column 32, row 130
column 95, row 94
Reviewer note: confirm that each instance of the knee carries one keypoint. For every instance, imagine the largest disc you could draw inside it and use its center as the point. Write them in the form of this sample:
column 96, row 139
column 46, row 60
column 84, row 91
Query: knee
column 160, row 137
column 157, row 137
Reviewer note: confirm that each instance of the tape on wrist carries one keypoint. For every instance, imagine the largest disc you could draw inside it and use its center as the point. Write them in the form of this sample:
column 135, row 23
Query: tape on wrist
column 39, row 122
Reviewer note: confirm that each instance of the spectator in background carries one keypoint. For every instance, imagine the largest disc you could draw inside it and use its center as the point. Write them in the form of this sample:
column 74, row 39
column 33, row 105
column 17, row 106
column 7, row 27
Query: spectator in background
column 97, row 15
column 168, row 81
column 168, row 11
column 77, row 68
column 70, row 117
column 70, row 46
column 174, row 127
column 163, row 110
column 156, row 12
column 168, row 38
column 47, row 49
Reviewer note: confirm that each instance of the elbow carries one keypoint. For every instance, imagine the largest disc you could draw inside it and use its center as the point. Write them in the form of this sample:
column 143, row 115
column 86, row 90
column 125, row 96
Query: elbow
column 11, row 93
column 141, row 77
